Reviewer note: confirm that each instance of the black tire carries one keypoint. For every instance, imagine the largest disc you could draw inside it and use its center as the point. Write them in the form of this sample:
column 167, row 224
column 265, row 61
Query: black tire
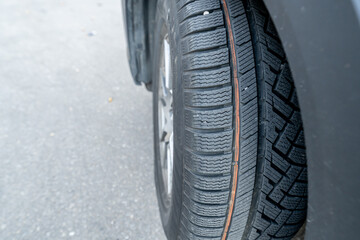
column 239, row 160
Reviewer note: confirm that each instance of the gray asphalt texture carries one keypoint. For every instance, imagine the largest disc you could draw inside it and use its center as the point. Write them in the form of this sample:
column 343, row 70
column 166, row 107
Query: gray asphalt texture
column 76, row 158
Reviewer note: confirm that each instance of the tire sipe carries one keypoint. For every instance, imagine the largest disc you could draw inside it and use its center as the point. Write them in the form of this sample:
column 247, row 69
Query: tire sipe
column 235, row 163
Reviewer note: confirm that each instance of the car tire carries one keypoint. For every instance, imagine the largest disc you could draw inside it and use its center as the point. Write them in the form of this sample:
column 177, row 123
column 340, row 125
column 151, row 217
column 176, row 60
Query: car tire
column 234, row 165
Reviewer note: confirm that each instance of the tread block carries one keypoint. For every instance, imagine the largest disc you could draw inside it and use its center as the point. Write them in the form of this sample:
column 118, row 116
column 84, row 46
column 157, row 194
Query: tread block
column 206, row 197
column 207, row 78
column 245, row 57
column 303, row 175
column 296, row 217
column 205, row 209
column 298, row 189
column 207, row 59
column 197, row 7
column 283, row 86
column 249, row 115
column 298, row 155
column 241, row 30
column 248, row 89
column 236, row 8
column 209, row 119
column 294, row 99
column 202, row 23
column 213, row 183
column 300, row 140
column 274, row 45
column 201, row 231
column 202, row 221
column 245, row 183
column 279, row 162
column 208, row 98
column 209, row 142
column 248, row 153
column 271, row 173
column 209, row 165
column 204, row 40
column 281, row 106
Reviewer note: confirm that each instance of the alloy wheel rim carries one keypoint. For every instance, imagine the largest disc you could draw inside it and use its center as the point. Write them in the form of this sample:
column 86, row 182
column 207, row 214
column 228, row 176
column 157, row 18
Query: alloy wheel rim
column 165, row 118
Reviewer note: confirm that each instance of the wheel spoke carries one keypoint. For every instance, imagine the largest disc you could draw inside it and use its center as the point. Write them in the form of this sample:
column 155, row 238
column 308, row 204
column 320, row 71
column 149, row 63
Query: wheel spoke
column 166, row 117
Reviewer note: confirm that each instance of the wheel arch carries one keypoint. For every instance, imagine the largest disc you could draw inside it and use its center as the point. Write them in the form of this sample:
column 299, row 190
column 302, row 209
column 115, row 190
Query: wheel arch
column 139, row 17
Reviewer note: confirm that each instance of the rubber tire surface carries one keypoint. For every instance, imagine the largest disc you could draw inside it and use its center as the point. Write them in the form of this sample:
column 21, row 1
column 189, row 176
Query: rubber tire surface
column 239, row 159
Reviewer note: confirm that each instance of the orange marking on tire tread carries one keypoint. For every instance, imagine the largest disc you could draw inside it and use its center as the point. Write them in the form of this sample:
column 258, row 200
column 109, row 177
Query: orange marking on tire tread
column 237, row 123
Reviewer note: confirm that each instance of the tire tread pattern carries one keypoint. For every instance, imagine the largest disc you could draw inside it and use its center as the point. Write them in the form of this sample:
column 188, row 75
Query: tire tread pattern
column 279, row 195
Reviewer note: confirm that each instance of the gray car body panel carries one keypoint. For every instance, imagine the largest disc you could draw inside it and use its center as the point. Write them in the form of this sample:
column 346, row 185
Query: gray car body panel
column 322, row 41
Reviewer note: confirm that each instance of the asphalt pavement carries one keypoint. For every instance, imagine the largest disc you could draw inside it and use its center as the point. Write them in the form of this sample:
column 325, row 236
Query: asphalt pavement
column 76, row 158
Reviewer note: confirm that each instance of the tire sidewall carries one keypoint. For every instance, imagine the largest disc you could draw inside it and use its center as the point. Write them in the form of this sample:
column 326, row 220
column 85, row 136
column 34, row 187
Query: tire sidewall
column 166, row 23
